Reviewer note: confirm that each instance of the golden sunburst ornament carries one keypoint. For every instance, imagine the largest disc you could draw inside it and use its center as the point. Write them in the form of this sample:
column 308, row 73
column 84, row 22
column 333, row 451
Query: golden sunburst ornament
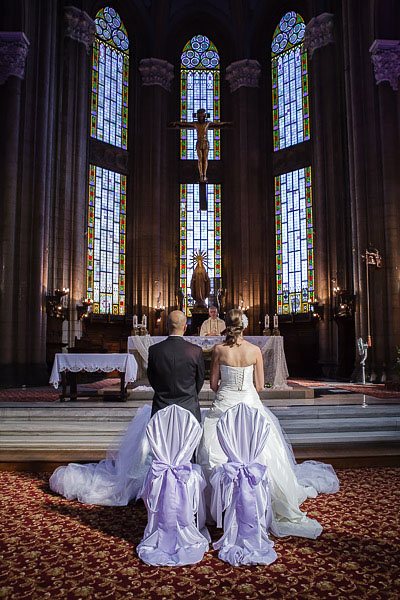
column 199, row 256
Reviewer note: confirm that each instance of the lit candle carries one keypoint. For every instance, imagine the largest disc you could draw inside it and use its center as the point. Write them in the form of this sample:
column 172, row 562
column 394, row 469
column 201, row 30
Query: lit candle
column 135, row 320
column 266, row 321
column 275, row 321
column 144, row 321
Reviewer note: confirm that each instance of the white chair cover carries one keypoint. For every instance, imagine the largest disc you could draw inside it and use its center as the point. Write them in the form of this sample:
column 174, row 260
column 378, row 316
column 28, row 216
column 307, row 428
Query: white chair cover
column 241, row 489
column 174, row 492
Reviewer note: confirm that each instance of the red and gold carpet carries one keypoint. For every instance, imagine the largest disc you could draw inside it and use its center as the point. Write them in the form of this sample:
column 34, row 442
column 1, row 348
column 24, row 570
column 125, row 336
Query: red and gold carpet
column 377, row 390
column 56, row 549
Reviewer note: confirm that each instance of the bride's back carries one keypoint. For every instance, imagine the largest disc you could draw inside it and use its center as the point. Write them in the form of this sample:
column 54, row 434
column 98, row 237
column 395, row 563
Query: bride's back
column 242, row 354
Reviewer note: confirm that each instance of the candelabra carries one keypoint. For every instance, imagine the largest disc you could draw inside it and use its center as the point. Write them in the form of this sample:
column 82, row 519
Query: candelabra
column 84, row 309
column 159, row 309
column 344, row 303
column 56, row 306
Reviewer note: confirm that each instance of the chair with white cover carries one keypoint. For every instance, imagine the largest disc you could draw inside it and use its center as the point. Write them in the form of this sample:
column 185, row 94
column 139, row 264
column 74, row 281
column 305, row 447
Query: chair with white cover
column 240, row 489
column 173, row 492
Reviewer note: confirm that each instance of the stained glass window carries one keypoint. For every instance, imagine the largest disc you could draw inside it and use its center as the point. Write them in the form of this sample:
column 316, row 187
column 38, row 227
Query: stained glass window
column 290, row 101
column 106, row 241
column 109, row 103
column 200, row 88
column 199, row 231
column 294, row 242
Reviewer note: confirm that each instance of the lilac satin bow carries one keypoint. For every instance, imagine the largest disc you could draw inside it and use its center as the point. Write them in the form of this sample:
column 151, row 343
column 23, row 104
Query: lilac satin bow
column 171, row 502
column 246, row 477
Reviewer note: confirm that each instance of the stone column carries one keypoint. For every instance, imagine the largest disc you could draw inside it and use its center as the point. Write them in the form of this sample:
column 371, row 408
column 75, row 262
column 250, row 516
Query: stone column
column 69, row 218
column 385, row 56
column 373, row 146
column 32, row 202
column 155, row 220
column 243, row 223
column 13, row 52
column 332, row 242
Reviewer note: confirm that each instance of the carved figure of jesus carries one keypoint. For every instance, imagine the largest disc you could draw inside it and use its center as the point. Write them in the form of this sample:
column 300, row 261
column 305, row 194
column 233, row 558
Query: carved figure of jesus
column 202, row 145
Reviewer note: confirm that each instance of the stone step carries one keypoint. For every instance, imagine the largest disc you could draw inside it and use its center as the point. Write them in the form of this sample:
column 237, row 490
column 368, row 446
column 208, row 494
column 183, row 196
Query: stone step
column 117, row 410
column 344, row 437
column 293, row 425
column 102, row 441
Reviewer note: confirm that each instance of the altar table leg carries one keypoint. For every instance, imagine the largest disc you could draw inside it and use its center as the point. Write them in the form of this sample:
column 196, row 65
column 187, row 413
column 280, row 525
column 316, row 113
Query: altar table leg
column 64, row 386
column 73, row 386
column 123, row 389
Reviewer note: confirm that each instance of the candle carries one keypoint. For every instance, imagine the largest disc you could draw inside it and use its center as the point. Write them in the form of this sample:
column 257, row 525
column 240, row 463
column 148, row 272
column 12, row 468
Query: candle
column 144, row 321
column 275, row 321
column 135, row 320
column 266, row 321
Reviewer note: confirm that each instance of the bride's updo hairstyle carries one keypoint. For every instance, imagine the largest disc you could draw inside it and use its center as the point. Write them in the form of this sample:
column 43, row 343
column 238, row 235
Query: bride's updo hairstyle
column 234, row 326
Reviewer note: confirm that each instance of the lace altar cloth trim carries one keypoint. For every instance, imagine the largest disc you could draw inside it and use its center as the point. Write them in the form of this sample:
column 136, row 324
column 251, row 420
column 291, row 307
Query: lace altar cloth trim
column 124, row 363
column 275, row 367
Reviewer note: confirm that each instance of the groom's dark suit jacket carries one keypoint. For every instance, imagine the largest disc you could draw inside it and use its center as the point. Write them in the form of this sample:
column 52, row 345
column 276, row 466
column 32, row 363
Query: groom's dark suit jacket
column 176, row 373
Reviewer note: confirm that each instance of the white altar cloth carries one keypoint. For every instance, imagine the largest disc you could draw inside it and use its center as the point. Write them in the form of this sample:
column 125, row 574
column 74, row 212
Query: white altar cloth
column 124, row 363
column 275, row 367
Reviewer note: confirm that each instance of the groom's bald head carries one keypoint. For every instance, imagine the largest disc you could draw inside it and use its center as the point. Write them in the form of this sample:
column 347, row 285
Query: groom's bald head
column 176, row 322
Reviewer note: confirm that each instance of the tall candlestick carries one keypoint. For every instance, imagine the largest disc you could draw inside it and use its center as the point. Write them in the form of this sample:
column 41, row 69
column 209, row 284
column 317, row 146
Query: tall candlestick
column 135, row 320
column 275, row 321
column 266, row 321
column 144, row 321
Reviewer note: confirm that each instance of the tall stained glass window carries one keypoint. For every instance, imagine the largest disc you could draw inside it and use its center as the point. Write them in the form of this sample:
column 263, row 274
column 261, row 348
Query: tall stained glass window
column 106, row 241
column 200, row 88
column 200, row 231
column 107, row 188
column 294, row 242
column 290, row 102
column 109, row 105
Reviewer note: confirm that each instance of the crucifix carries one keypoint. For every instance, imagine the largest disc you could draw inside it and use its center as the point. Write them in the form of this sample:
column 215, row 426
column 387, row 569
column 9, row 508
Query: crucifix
column 202, row 145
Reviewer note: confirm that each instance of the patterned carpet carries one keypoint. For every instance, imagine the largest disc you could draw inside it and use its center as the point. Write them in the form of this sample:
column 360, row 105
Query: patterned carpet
column 377, row 390
column 56, row 549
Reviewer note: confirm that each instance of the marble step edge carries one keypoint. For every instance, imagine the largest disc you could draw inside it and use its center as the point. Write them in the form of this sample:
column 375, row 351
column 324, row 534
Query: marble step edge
column 296, row 440
column 94, row 425
column 73, row 412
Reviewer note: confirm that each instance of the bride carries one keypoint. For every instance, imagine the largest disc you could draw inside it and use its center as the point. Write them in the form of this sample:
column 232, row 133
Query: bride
column 118, row 478
column 238, row 363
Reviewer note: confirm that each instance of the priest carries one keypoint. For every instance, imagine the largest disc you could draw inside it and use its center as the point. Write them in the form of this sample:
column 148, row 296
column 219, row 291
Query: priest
column 213, row 325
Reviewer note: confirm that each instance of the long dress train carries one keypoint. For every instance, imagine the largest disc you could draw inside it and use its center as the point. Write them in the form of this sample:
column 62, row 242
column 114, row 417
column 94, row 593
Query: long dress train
column 119, row 478
column 290, row 483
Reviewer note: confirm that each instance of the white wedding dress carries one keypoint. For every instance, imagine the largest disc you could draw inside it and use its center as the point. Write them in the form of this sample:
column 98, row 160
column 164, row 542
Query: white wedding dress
column 119, row 478
column 290, row 483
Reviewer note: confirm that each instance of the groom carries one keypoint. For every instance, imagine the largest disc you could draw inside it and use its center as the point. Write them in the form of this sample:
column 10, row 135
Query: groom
column 176, row 369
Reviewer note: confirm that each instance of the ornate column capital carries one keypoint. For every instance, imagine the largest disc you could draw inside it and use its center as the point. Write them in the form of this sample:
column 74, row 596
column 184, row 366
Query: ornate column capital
column 385, row 56
column 79, row 26
column 319, row 32
column 13, row 52
column 243, row 73
column 155, row 71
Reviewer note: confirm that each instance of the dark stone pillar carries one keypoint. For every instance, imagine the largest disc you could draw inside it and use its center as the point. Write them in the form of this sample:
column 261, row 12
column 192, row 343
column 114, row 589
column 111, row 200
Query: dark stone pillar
column 332, row 242
column 385, row 55
column 25, row 361
column 154, row 221
column 69, row 216
column 243, row 202
column 13, row 51
column 373, row 142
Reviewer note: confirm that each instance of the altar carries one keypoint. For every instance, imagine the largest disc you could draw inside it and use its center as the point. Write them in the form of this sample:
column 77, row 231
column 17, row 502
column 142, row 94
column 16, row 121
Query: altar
column 272, row 350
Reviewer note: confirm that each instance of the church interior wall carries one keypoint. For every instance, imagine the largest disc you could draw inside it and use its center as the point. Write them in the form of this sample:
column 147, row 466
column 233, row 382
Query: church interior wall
column 353, row 150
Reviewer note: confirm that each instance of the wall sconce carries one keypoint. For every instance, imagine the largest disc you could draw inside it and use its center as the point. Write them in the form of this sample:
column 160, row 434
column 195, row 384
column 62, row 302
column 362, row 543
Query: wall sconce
column 242, row 306
column 84, row 309
column 56, row 306
column 159, row 309
column 344, row 303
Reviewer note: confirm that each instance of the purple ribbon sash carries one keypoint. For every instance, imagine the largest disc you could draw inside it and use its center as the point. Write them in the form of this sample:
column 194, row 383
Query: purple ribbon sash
column 171, row 502
column 245, row 478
